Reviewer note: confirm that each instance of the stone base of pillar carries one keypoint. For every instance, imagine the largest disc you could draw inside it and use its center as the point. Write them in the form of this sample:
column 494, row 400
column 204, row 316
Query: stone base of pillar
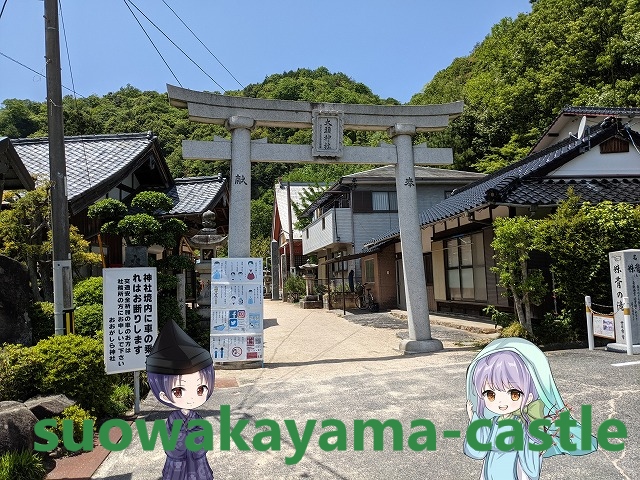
column 408, row 347
column 622, row 348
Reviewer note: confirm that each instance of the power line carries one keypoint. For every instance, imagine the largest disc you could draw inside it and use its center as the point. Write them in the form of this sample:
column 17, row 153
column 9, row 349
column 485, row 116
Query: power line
column 175, row 45
column 75, row 99
column 37, row 73
column 242, row 86
column 154, row 45
column 3, row 5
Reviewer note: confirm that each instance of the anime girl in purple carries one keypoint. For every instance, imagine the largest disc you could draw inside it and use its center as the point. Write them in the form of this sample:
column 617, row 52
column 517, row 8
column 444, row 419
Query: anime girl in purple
column 510, row 379
column 181, row 375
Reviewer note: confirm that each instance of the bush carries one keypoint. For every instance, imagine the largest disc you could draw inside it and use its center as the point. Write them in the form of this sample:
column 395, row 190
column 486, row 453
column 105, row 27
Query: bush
column 196, row 330
column 168, row 308
column 515, row 329
column 21, row 466
column 88, row 292
column 556, row 328
column 295, row 285
column 78, row 415
column 42, row 320
column 122, row 399
column 17, row 368
column 73, row 365
column 501, row 319
column 88, row 319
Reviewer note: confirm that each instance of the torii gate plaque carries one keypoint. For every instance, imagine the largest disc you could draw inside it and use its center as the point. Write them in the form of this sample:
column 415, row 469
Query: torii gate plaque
column 241, row 114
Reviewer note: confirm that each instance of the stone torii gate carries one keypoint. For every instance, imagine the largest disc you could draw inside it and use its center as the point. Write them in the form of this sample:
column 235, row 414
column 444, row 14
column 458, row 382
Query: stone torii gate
column 327, row 120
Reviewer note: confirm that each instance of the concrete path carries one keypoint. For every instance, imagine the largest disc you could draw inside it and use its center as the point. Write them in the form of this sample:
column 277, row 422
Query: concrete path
column 321, row 366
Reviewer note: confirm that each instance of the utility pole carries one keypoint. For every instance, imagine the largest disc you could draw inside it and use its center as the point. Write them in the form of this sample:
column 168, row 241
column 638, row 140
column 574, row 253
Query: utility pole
column 62, row 278
column 292, row 265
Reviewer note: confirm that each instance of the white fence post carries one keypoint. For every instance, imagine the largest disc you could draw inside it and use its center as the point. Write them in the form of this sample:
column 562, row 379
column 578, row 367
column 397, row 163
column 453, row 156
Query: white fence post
column 590, row 339
column 627, row 325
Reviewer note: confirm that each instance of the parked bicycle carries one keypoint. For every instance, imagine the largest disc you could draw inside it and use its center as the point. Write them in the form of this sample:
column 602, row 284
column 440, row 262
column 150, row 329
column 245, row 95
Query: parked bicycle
column 365, row 300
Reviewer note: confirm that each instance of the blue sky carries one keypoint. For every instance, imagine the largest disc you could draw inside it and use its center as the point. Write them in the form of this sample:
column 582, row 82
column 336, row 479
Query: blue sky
column 392, row 47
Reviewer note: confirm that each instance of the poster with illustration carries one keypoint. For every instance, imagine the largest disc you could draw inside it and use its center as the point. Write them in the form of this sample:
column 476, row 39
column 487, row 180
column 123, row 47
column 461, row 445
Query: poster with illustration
column 236, row 309
column 236, row 270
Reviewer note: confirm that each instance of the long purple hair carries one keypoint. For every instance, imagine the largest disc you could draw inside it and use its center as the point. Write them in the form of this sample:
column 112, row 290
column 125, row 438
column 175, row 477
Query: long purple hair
column 160, row 382
column 503, row 370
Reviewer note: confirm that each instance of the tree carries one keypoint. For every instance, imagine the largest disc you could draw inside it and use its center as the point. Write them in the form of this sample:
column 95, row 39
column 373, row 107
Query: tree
column 307, row 197
column 140, row 225
column 579, row 237
column 514, row 240
column 25, row 235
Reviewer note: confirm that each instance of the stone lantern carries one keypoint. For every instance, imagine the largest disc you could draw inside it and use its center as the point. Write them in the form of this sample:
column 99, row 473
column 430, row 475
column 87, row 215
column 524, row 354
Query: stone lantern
column 207, row 241
column 309, row 274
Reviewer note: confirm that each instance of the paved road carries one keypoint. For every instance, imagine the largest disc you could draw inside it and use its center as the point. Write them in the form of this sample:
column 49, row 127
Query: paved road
column 321, row 366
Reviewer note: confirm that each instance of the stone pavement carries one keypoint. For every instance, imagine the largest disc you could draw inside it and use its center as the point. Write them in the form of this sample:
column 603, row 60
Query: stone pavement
column 319, row 365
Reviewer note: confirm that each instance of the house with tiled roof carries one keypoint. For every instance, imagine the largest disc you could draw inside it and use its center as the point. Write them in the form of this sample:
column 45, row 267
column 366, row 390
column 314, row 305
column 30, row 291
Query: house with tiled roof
column 363, row 205
column 594, row 151
column 119, row 166
column 13, row 173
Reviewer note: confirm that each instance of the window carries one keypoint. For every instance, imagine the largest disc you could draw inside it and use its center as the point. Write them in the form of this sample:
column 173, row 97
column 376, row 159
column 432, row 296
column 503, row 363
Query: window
column 465, row 271
column 384, row 201
column 368, row 272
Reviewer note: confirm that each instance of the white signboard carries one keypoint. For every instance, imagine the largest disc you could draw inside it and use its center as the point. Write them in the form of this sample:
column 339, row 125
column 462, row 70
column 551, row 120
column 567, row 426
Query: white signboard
column 236, row 309
column 603, row 326
column 130, row 317
column 625, row 282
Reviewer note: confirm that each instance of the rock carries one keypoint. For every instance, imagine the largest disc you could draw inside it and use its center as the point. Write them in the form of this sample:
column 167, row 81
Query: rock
column 15, row 297
column 16, row 427
column 48, row 406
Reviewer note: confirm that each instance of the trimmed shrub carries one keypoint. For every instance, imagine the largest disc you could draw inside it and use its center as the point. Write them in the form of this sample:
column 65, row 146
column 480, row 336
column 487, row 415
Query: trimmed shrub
column 73, row 365
column 21, row 466
column 78, row 415
column 88, row 319
column 88, row 292
column 556, row 328
column 42, row 320
column 17, row 369
column 517, row 330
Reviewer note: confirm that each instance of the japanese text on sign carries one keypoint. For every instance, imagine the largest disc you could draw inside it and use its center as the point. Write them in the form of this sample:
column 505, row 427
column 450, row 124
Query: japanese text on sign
column 327, row 134
column 130, row 318
column 236, row 309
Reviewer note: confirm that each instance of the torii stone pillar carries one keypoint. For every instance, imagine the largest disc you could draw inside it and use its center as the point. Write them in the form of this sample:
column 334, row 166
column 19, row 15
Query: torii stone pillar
column 415, row 286
column 241, row 114
column 240, row 210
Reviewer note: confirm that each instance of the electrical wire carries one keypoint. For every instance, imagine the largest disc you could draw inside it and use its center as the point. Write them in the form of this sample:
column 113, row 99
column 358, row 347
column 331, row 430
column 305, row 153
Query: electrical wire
column 37, row 73
column 3, row 5
column 202, row 43
column 175, row 45
column 154, row 45
column 75, row 99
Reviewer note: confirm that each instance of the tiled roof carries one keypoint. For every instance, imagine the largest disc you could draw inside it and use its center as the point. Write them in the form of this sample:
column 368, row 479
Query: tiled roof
column 15, row 175
column 523, row 183
column 93, row 163
column 602, row 111
column 195, row 195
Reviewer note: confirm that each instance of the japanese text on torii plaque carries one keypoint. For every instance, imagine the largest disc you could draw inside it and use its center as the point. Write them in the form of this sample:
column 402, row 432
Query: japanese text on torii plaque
column 327, row 133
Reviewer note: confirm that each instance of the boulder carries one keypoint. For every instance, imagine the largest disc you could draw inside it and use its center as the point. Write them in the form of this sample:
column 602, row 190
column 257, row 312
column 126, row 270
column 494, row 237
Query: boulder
column 48, row 406
column 16, row 427
column 15, row 297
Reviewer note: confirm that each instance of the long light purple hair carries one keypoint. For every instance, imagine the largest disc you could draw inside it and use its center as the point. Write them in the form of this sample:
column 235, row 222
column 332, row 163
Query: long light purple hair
column 160, row 382
column 503, row 370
